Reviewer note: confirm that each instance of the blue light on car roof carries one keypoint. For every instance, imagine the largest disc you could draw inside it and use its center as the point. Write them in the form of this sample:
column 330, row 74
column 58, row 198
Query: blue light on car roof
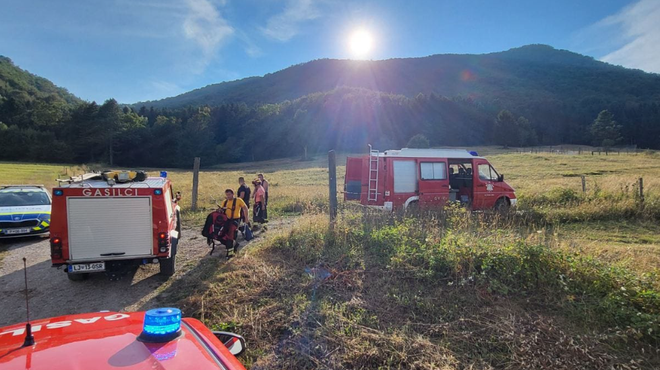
column 163, row 174
column 161, row 325
column 473, row 153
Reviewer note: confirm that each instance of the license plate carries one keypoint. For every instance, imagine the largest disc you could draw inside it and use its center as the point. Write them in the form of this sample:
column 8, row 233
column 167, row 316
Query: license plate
column 17, row 231
column 87, row 267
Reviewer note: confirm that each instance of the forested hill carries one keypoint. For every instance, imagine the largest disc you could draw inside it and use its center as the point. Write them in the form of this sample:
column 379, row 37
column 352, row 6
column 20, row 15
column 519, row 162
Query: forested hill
column 514, row 78
column 29, row 99
column 520, row 97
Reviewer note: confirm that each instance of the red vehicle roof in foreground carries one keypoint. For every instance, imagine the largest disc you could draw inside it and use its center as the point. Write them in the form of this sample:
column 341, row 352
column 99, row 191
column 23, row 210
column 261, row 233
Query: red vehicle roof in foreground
column 108, row 340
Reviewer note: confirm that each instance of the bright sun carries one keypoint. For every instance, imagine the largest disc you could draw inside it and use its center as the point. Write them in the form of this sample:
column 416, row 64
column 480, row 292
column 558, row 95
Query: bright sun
column 361, row 43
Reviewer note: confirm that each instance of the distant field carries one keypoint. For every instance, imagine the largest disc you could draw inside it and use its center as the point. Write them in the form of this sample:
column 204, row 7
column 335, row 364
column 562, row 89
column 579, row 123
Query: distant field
column 35, row 174
column 606, row 220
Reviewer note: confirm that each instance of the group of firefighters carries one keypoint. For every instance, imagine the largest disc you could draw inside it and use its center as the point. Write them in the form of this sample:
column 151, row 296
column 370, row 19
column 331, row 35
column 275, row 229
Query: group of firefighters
column 241, row 210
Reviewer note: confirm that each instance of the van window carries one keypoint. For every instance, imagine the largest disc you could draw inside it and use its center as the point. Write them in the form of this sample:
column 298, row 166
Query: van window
column 405, row 176
column 487, row 173
column 433, row 170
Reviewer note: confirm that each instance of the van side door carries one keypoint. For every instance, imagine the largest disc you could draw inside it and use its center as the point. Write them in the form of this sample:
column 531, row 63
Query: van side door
column 433, row 183
column 485, row 178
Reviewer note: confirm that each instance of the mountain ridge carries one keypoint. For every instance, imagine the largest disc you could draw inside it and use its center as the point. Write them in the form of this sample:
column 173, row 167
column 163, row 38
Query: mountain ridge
column 473, row 75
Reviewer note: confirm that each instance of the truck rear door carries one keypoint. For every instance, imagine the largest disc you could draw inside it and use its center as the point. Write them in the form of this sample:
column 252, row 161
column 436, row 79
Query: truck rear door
column 433, row 183
column 353, row 178
column 106, row 228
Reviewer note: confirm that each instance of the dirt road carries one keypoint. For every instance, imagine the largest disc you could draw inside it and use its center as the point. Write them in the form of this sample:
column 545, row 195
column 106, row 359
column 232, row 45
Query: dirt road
column 52, row 294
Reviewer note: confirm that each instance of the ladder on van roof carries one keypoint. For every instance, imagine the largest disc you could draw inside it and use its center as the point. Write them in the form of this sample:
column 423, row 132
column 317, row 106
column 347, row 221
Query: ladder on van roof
column 372, row 188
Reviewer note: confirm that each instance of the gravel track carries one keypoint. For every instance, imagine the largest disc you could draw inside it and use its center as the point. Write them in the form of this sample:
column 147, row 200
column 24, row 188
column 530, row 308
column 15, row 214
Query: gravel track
column 53, row 294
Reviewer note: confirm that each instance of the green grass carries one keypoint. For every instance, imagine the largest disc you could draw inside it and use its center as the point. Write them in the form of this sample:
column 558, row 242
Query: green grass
column 462, row 291
column 35, row 174
column 568, row 282
column 548, row 186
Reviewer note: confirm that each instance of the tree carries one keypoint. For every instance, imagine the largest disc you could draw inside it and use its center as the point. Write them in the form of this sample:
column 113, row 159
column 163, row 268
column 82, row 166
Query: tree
column 418, row 141
column 110, row 118
column 526, row 134
column 606, row 132
column 506, row 129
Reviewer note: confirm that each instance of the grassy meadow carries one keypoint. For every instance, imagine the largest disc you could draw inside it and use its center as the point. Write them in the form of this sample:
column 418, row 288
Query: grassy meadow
column 569, row 280
column 608, row 220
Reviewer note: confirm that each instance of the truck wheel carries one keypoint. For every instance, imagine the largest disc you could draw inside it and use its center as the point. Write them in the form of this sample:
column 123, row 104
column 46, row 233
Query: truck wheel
column 77, row 277
column 502, row 205
column 413, row 209
column 167, row 266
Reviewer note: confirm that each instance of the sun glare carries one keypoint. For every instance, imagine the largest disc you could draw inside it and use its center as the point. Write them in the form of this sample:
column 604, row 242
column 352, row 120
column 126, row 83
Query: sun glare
column 361, row 43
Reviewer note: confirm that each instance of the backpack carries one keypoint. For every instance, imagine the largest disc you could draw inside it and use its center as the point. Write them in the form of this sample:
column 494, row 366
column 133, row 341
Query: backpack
column 214, row 225
column 247, row 232
column 218, row 225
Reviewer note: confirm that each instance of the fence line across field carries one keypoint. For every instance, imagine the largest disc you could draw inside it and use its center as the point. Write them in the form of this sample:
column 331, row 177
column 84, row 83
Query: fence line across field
column 579, row 150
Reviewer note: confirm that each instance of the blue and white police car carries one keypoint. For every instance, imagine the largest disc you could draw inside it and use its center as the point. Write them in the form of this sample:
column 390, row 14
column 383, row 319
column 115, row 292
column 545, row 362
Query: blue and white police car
column 24, row 210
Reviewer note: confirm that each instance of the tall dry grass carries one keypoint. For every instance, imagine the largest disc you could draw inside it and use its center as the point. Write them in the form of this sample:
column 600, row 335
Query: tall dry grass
column 457, row 291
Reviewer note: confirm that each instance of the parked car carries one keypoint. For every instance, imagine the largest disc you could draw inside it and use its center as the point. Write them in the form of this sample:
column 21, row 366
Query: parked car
column 24, row 210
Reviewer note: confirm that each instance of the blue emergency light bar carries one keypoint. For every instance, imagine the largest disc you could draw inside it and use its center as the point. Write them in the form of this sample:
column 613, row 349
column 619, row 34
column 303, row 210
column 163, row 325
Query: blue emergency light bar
column 163, row 174
column 158, row 192
column 58, row 192
column 474, row 154
column 161, row 325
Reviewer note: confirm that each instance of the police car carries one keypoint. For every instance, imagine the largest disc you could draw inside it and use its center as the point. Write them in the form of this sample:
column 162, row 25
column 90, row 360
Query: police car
column 24, row 210
column 155, row 339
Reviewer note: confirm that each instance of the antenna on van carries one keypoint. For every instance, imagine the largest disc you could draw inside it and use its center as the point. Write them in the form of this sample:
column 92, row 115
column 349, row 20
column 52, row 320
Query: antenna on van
column 29, row 339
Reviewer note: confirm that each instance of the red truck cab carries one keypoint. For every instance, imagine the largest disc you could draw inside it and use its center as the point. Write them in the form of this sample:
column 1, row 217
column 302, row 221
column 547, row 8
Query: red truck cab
column 100, row 225
column 119, row 340
column 427, row 178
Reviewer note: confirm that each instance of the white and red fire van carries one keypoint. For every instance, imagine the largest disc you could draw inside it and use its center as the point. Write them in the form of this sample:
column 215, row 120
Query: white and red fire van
column 101, row 225
column 426, row 178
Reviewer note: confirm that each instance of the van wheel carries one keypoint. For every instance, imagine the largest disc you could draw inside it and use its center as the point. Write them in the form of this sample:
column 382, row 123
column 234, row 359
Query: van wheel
column 502, row 205
column 77, row 277
column 167, row 266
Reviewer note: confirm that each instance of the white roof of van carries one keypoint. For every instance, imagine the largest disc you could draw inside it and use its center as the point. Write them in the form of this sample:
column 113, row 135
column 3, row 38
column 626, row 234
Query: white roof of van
column 429, row 153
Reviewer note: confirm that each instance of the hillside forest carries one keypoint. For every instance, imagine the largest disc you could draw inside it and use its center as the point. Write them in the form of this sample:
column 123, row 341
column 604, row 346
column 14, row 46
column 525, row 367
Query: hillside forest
column 45, row 123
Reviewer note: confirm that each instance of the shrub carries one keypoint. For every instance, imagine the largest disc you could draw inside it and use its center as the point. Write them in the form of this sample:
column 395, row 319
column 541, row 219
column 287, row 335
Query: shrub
column 501, row 262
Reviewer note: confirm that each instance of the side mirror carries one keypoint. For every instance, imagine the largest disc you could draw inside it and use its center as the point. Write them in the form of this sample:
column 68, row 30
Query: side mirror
column 234, row 342
column 500, row 178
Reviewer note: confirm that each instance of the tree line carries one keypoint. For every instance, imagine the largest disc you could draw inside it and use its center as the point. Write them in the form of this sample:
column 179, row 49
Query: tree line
column 345, row 119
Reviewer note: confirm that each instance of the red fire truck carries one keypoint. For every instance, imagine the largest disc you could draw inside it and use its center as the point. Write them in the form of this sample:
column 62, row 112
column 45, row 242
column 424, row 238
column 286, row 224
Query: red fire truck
column 426, row 178
column 102, row 223
column 156, row 339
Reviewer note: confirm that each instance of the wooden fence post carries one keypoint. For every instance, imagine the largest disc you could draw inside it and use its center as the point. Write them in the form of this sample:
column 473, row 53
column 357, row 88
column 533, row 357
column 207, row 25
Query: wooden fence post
column 332, row 184
column 641, row 190
column 195, row 183
column 584, row 184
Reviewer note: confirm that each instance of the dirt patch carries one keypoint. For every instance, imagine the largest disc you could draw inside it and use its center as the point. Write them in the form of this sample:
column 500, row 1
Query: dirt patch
column 52, row 294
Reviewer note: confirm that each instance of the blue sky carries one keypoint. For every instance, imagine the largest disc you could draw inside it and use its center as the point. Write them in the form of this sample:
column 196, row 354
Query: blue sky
column 136, row 50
